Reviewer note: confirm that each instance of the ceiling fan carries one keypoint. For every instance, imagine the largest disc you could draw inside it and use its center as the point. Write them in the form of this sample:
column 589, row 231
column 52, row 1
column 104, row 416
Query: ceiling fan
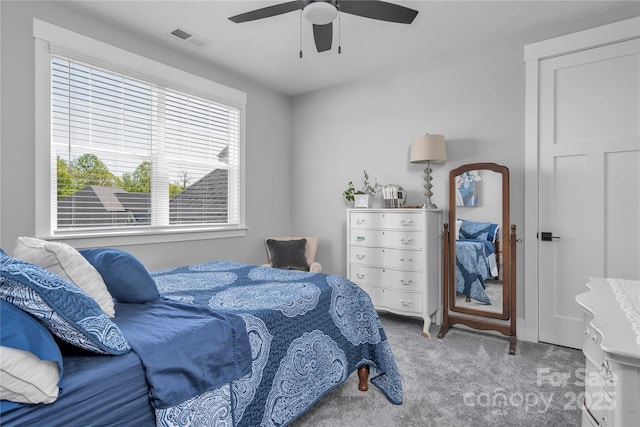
column 321, row 14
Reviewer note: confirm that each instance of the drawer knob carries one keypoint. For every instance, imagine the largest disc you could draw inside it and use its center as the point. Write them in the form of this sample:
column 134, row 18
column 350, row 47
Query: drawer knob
column 360, row 221
column 359, row 256
column 359, row 238
column 406, row 222
column 606, row 373
column 360, row 276
column 405, row 303
column 406, row 282
column 406, row 241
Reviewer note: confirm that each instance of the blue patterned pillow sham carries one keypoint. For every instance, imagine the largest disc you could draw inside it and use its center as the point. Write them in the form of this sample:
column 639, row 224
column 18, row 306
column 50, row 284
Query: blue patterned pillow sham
column 68, row 312
column 475, row 230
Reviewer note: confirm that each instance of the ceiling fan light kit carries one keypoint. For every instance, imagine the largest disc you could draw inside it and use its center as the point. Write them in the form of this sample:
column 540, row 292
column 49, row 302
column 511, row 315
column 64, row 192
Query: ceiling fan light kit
column 322, row 13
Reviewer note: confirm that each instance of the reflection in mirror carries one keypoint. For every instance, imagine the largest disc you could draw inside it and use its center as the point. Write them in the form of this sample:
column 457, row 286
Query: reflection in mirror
column 477, row 242
column 479, row 252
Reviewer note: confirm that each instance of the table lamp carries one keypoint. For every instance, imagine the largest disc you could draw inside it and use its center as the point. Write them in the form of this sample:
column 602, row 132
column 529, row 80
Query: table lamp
column 425, row 149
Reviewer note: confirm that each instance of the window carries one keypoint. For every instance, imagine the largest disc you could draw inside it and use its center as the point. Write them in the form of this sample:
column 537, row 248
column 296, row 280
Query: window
column 133, row 151
column 115, row 139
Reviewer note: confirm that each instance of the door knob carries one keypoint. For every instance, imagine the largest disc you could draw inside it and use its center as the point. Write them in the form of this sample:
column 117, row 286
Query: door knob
column 546, row 236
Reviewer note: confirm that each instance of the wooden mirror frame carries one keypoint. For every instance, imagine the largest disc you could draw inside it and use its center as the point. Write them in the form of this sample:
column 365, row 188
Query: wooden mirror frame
column 505, row 321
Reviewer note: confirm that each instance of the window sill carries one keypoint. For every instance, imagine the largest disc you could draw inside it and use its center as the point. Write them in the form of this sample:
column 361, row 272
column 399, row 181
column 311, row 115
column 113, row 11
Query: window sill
column 137, row 237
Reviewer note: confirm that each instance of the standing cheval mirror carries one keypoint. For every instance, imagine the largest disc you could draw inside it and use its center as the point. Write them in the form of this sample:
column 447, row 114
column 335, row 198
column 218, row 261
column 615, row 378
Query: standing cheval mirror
column 479, row 252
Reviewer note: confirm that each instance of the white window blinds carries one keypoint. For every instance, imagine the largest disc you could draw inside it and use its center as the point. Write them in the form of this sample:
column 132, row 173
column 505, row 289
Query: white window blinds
column 135, row 153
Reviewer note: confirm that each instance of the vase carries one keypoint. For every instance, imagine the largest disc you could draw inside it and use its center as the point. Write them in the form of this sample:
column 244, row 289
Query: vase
column 362, row 200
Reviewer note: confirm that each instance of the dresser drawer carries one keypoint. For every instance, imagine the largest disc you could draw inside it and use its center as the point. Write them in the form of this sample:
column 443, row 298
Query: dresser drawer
column 392, row 258
column 401, row 280
column 587, row 417
column 394, row 220
column 597, row 417
column 598, row 402
column 591, row 344
column 388, row 239
column 395, row 301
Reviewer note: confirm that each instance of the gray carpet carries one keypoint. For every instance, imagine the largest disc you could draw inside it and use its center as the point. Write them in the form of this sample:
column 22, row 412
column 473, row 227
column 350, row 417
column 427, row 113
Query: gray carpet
column 465, row 379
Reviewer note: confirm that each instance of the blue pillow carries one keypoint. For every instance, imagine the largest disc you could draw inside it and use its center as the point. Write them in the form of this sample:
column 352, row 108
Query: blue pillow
column 68, row 312
column 126, row 278
column 474, row 230
column 23, row 332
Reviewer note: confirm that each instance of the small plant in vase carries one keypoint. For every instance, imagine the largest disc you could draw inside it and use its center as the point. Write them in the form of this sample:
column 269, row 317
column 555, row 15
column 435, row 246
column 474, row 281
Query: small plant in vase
column 361, row 197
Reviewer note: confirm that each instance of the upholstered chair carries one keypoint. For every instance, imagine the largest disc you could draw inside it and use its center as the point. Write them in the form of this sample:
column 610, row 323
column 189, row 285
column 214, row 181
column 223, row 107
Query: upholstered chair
column 292, row 253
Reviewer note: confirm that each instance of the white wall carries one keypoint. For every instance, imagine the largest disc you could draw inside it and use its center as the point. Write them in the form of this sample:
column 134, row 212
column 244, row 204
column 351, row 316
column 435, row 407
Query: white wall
column 474, row 98
column 268, row 139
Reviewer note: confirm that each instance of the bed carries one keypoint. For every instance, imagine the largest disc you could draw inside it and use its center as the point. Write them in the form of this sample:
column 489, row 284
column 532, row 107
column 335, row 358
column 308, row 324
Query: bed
column 293, row 336
column 476, row 258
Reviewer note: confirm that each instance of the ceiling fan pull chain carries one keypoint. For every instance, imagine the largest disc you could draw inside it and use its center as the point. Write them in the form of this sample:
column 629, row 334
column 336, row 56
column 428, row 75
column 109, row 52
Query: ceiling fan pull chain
column 300, row 33
column 339, row 29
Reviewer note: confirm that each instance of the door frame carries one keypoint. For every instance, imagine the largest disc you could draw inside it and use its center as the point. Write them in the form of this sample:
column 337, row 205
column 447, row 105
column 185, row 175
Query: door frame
column 533, row 54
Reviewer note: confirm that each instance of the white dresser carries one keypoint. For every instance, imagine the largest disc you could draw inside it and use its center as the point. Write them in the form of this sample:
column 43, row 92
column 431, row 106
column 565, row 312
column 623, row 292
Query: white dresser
column 394, row 255
column 611, row 344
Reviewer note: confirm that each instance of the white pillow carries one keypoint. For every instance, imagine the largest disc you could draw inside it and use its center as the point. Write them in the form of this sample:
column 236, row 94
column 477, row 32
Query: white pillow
column 68, row 263
column 26, row 379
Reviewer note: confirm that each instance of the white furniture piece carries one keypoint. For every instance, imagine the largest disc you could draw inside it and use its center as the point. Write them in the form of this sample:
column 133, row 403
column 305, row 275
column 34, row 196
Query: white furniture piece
column 394, row 255
column 611, row 344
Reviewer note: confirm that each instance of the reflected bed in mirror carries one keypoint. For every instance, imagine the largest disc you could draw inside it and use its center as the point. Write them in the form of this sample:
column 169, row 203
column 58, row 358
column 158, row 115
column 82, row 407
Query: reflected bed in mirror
column 478, row 281
column 478, row 251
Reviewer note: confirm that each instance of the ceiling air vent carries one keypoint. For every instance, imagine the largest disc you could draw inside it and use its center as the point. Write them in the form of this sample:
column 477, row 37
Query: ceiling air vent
column 189, row 38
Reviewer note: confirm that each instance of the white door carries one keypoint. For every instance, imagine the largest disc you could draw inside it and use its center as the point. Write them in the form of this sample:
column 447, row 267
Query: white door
column 589, row 179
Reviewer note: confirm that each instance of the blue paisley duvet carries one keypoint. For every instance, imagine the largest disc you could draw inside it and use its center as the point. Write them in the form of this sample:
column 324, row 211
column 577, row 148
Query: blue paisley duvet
column 308, row 332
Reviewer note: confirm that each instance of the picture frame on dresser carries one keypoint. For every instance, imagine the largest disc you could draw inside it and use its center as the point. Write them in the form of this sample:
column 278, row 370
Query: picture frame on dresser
column 394, row 254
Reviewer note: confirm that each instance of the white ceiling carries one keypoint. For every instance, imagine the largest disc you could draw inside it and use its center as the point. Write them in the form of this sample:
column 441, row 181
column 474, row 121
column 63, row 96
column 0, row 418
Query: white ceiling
column 267, row 50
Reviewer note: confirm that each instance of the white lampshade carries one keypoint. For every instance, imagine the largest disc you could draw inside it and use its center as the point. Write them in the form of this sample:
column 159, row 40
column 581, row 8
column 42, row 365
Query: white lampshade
column 320, row 13
column 428, row 148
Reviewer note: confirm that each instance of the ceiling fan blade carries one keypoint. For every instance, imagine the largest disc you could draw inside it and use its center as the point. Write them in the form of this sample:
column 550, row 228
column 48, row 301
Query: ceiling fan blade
column 377, row 9
column 323, row 35
column 269, row 11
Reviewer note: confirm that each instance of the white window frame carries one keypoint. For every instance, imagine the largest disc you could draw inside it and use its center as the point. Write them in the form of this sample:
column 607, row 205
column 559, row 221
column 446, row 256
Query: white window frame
column 49, row 37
